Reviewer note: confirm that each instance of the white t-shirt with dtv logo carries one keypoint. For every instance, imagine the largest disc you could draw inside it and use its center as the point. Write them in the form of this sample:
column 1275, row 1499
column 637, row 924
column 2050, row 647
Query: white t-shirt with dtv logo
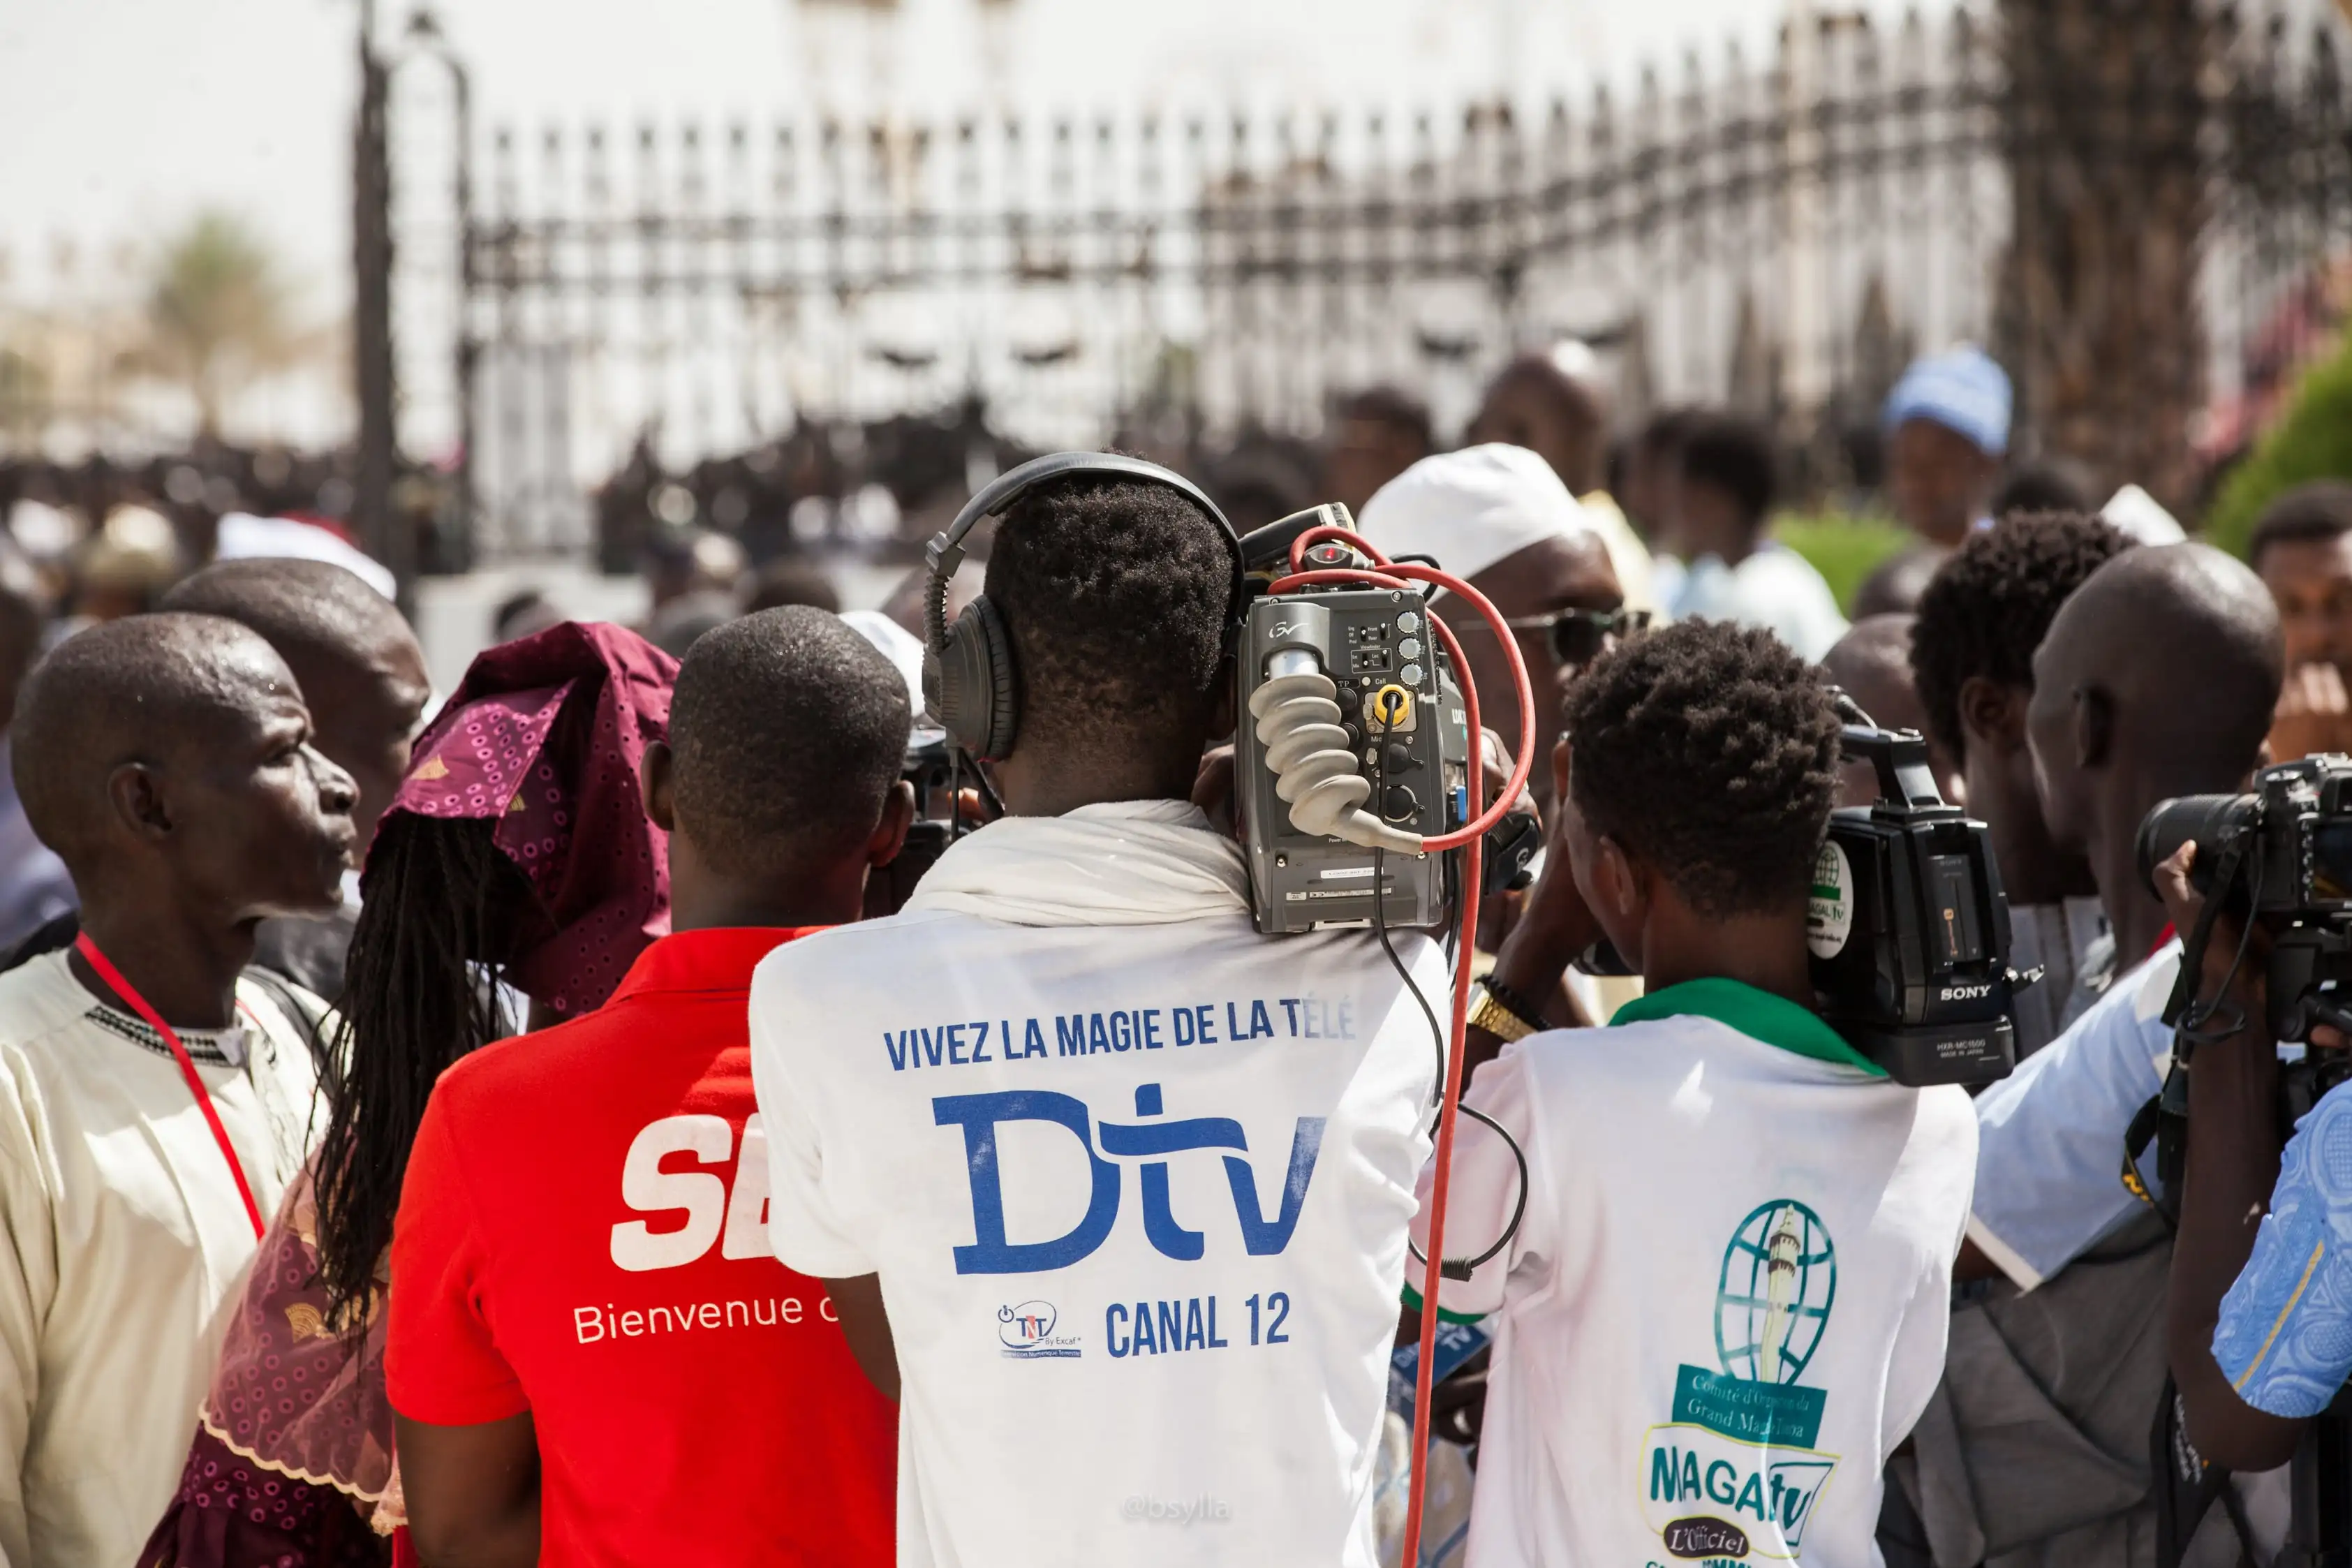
column 1728, row 1300
column 1136, row 1193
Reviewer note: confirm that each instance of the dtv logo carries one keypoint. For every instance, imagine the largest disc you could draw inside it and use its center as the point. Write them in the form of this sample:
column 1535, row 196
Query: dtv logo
column 980, row 1115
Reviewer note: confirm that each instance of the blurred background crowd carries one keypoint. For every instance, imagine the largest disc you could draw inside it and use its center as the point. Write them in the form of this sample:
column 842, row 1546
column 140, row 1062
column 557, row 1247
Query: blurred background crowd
column 658, row 361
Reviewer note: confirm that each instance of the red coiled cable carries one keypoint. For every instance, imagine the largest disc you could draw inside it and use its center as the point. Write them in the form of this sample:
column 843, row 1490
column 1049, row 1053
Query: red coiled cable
column 1471, row 839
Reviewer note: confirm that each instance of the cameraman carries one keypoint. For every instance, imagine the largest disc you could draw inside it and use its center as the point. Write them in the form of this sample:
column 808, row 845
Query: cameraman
column 2157, row 679
column 1114, row 1188
column 1729, row 1277
column 2261, row 1314
column 2035, row 1449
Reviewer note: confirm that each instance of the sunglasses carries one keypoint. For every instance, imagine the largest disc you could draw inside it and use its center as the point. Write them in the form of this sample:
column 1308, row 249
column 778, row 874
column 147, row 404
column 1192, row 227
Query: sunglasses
column 1578, row 636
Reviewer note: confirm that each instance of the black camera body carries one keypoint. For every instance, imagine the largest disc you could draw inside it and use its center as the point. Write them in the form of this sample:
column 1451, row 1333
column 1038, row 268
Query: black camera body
column 2282, row 856
column 2294, row 833
column 1909, row 927
column 931, row 766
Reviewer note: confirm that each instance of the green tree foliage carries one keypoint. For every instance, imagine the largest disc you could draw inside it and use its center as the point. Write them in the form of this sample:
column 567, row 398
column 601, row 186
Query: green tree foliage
column 1842, row 548
column 2314, row 441
column 216, row 312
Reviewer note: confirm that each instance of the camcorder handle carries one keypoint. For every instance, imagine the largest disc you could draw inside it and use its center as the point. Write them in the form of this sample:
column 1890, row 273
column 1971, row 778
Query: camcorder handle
column 1899, row 758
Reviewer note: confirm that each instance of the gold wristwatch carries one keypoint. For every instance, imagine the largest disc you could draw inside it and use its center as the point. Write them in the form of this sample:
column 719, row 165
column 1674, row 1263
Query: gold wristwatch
column 1488, row 1013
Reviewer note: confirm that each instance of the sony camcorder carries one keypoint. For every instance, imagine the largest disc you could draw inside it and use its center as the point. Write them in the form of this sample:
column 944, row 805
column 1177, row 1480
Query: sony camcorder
column 1909, row 926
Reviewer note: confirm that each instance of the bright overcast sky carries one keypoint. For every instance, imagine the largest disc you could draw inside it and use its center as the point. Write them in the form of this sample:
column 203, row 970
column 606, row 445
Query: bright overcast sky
column 119, row 118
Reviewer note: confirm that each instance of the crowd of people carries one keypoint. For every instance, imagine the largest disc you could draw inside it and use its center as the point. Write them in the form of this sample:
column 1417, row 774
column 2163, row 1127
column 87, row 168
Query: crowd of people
column 548, row 1122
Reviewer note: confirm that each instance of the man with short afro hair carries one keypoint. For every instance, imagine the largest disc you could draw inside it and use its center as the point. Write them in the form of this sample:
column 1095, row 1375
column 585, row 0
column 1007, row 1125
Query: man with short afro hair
column 1114, row 595
column 1985, row 611
column 1713, row 757
column 1081, row 975
column 786, row 729
column 1695, row 1172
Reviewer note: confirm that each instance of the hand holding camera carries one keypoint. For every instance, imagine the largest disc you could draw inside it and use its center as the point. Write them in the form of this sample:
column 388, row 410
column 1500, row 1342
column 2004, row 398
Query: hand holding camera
column 2260, row 888
column 1554, row 927
column 2231, row 973
column 2256, row 884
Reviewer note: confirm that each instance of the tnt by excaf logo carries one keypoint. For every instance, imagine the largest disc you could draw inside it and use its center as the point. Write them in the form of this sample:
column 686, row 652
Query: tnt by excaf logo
column 1026, row 1331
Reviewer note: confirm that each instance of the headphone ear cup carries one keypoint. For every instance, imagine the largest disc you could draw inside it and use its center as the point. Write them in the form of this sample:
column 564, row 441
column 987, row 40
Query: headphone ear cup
column 970, row 683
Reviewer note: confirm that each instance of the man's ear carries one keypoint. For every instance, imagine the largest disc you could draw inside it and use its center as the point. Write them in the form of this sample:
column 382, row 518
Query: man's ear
column 1222, row 714
column 2095, row 726
column 1621, row 883
column 656, row 784
column 136, row 793
column 1992, row 716
column 889, row 835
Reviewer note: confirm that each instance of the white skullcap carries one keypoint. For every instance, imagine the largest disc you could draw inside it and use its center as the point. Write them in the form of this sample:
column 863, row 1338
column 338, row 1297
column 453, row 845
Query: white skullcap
column 2142, row 516
column 245, row 537
column 902, row 648
column 1574, row 358
column 1471, row 509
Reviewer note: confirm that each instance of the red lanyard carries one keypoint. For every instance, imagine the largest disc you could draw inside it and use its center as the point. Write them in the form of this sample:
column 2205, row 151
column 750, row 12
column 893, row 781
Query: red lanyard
column 154, row 1020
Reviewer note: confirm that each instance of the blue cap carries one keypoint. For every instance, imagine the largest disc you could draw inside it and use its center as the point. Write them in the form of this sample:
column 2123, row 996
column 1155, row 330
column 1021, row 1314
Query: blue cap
column 1962, row 390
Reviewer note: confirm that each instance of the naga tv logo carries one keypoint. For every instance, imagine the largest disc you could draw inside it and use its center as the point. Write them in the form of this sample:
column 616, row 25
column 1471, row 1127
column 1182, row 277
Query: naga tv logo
column 1026, row 1331
column 1773, row 1297
column 1735, row 1474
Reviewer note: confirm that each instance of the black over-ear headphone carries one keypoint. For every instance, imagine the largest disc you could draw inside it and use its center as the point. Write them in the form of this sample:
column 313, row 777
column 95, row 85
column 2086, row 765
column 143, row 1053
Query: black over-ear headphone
column 968, row 680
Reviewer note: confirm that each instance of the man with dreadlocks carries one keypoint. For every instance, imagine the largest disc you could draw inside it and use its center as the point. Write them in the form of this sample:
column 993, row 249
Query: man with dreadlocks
column 596, row 1366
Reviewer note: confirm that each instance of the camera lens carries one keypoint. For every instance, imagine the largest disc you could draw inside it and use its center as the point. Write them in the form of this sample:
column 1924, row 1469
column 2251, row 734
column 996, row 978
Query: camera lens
column 2208, row 821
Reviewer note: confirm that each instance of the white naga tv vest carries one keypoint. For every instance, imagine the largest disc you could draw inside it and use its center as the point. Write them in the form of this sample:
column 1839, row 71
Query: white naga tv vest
column 1727, row 1301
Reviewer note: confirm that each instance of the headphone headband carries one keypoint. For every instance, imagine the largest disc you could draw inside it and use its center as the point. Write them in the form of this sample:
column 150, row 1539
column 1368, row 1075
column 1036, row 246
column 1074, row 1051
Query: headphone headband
column 969, row 679
column 946, row 551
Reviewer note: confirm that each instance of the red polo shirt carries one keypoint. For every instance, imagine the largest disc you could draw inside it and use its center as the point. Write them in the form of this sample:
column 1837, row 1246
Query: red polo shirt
column 583, row 1235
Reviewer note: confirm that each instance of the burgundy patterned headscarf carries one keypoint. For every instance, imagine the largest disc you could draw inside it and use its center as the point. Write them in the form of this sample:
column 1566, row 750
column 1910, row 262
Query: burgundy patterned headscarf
column 546, row 734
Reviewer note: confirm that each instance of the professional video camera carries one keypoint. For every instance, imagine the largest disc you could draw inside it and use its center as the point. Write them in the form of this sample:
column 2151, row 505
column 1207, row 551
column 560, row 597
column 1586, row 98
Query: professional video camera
column 1354, row 703
column 1909, row 924
column 2284, row 855
column 2281, row 857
